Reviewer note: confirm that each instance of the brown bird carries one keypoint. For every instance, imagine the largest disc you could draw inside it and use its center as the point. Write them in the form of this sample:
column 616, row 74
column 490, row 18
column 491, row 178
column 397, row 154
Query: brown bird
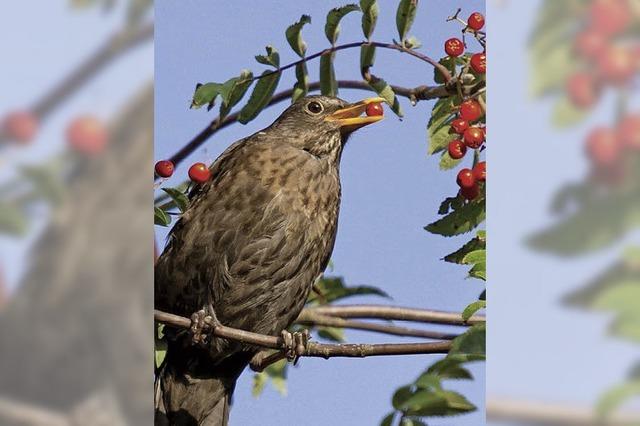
column 249, row 248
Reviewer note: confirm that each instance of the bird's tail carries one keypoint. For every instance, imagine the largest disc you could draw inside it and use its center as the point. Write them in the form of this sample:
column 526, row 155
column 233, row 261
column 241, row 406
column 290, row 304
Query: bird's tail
column 194, row 390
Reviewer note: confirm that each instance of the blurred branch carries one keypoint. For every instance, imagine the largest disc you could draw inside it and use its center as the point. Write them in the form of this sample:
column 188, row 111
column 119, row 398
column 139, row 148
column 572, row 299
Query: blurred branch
column 396, row 313
column 417, row 93
column 549, row 414
column 313, row 349
column 310, row 318
column 14, row 412
column 116, row 45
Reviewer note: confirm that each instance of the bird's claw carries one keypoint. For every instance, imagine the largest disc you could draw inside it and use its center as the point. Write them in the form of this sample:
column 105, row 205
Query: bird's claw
column 202, row 324
column 294, row 345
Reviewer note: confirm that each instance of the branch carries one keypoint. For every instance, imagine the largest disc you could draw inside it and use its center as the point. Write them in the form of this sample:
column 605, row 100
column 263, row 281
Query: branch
column 393, row 46
column 115, row 46
column 396, row 313
column 313, row 349
column 551, row 414
column 418, row 93
column 309, row 318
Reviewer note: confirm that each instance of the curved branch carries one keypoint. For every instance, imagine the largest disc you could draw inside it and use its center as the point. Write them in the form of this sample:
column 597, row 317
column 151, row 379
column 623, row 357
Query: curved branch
column 418, row 93
column 313, row 349
column 309, row 318
column 396, row 313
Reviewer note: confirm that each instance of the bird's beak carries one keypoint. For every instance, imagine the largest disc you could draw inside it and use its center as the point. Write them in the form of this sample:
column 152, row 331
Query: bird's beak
column 350, row 117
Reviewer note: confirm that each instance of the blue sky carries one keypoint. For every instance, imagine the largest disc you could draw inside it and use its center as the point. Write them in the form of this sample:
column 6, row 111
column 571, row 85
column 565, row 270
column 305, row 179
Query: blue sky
column 391, row 188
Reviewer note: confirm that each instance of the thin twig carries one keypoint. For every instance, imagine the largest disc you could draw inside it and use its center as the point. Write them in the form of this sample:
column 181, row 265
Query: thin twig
column 317, row 350
column 310, row 318
column 396, row 313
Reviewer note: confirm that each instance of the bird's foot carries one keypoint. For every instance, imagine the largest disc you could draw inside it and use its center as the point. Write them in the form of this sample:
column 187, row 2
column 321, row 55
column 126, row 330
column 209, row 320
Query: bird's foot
column 203, row 323
column 294, row 344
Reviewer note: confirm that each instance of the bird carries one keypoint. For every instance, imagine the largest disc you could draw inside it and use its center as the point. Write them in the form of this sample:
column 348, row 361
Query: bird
column 248, row 249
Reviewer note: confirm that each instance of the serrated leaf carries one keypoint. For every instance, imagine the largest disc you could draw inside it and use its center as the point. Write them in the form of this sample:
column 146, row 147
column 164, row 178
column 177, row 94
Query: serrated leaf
column 476, row 256
column 448, row 163
column 388, row 419
column 472, row 308
column 566, row 114
column 450, row 203
column 475, row 244
column 332, row 26
column 479, row 271
column 271, row 58
column 405, row 15
column 233, row 90
column 438, row 129
column 369, row 16
column 301, row 88
column 450, row 368
column 333, row 288
column 294, row 35
column 412, row 422
column 179, row 198
column 449, row 63
column 471, row 342
column 328, row 83
column 459, row 221
column 437, row 403
column 260, row 97
column 384, row 90
column 400, row 396
column 160, row 217
column 428, row 381
column 206, row 94
column 367, row 57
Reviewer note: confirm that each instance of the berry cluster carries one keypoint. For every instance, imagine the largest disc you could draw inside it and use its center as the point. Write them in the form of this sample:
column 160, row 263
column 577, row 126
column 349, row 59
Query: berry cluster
column 468, row 123
column 606, row 58
column 607, row 146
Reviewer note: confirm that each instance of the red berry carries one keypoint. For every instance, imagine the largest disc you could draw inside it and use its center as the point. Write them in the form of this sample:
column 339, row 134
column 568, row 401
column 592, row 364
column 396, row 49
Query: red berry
column 616, row 64
column 199, row 173
column 457, row 149
column 87, row 135
column 465, row 178
column 603, row 146
column 583, row 89
column 629, row 132
column 473, row 137
column 610, row 17
column 479, row 63
column 164, row 168
column 480, row 171
column 470, row 193
column 374, row 109
column 20, row 126
column 590, row 44
column 470, row 110
column 459, row 125
column 476, row 21
column 454, row 47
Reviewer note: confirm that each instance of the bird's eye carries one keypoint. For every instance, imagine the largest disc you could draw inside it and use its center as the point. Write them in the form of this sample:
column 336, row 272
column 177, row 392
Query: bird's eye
column 314, row 107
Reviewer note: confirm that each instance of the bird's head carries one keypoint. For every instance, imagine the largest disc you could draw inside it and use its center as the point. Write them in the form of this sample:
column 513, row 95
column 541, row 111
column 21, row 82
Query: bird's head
column 322, row 124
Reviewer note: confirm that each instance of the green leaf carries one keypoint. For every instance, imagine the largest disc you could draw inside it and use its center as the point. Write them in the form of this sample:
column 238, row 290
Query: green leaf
column 471, row 342
column 428, row 381
column 259, row 382
column 260, row 97
column 472, row 308
column 160, row 217
column 333, row 334
column 405, row 15
column 476, row 256
column 294, row 35
column 447, row 163
column 301, row 88
column 477, row 243
column 615, row 397
column 388, row 419
column 332, row 27
column 271, row 58
column 401, row 396
column 460, row 221
column 438, row 129
column 46, row 181
column 369, row 16
column 479, row 271
column 566, row 114
column 406, row 421
column 206, row 94
column 450, row 368
column 179, row 198
column 328, row 84
column 450, row 203
column 367, row 57
column 333, row 288
column 437, row 403
column 384, row 90
column 160, row 352
column 277, row 373
column 412, row 43
column 233, row 91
